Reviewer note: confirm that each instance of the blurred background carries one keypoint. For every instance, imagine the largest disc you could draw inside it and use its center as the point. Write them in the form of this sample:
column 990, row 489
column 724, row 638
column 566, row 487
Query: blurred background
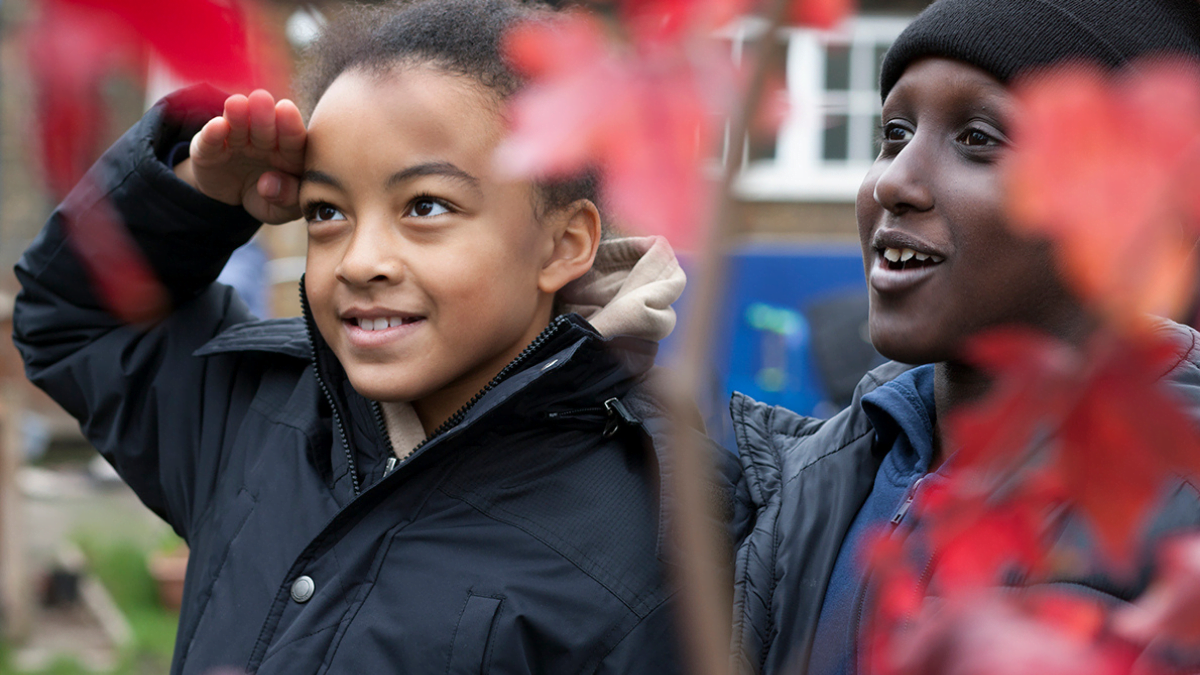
column 88, row 576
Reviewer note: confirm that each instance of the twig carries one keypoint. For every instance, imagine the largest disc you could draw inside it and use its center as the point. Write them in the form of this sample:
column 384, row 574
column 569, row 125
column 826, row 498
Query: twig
column 706, row 596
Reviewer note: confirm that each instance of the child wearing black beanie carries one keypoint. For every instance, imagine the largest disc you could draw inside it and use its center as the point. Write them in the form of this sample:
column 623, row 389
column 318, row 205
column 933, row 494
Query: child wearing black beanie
column 941, row 266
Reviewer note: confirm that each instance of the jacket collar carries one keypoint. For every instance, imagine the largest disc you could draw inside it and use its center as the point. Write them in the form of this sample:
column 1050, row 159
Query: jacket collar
column 571, row 366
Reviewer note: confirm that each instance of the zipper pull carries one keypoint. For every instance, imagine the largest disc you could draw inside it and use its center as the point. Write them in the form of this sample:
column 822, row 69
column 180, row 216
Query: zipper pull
column 618, row 414
column 391, row 464
column 907, row 504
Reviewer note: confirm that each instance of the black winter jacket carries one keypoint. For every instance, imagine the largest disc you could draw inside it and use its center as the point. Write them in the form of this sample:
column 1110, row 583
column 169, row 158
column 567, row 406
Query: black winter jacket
column 526, row 538
column 807, row 479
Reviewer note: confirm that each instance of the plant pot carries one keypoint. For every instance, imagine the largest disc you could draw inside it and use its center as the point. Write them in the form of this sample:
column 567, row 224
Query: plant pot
column 168, row 568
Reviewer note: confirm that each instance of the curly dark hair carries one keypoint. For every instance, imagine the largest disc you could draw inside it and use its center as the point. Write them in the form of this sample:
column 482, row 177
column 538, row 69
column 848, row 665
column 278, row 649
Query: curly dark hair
column 460, row 37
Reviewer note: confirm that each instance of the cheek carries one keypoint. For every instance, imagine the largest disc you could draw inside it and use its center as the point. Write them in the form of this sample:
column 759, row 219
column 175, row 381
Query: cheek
column 320, row 280
column 866, row 208
column 484, row 277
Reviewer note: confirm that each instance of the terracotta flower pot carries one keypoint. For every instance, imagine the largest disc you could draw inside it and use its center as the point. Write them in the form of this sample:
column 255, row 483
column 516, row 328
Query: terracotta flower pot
column 168, row 569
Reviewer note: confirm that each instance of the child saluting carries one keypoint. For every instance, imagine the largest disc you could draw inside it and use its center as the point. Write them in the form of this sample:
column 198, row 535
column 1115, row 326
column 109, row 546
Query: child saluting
column 434, row 470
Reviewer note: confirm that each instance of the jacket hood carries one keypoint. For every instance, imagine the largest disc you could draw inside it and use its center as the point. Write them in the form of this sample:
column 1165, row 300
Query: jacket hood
column 630, row 288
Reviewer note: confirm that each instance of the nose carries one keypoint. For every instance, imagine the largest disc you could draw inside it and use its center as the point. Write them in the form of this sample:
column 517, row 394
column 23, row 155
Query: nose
column 372, row 254
column 904, row 181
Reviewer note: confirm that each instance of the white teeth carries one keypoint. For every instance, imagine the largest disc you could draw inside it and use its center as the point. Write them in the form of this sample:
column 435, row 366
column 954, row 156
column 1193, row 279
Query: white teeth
column 379, row 324
column 905, row 254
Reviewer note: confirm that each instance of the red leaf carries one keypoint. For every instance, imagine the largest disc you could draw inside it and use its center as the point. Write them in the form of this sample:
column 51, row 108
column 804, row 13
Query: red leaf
column 1119, row 436
column 1108, row 169
column 202, row 40
column 974, row 556
column 821, row 13
column 992, row 633
column 1034, row 382
column 70, row 50
column 643, row 120
column 74, row 45
column 120, row 275
column 1170, row 609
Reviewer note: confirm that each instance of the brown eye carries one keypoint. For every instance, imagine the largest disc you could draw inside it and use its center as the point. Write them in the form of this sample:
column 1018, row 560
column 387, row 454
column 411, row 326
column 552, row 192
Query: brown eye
column 321, row 212
column 975, row 138
column 894, row 133
column 425, row 207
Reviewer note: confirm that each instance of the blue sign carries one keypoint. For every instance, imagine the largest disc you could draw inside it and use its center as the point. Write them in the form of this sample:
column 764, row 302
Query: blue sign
column 778, row 306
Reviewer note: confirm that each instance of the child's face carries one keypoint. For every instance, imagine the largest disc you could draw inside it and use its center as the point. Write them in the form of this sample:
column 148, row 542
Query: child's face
column 425, row 271
column 936, row 191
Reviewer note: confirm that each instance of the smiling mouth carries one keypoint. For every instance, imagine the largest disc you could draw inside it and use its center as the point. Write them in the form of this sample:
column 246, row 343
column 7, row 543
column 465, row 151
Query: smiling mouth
column 900, row 259
column 383, row 323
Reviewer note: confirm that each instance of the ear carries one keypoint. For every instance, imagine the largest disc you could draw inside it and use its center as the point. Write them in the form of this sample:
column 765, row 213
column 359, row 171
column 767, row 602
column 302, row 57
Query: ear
column 576, row 231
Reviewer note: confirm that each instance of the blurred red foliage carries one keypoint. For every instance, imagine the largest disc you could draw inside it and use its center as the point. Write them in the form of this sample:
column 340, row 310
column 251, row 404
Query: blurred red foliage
column 1111, row 171
column 74, row 46
column 643, row 102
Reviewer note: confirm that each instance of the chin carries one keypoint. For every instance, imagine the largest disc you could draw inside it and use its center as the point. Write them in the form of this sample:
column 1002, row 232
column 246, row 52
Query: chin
column 377, row 388
column 904, row 347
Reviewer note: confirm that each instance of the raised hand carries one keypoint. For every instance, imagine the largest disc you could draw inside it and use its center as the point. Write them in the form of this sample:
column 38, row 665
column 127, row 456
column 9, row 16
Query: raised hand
column 252, row 155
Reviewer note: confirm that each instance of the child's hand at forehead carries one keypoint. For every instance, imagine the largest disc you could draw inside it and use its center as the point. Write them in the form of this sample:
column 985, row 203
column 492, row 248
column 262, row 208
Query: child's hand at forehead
column 252, row 155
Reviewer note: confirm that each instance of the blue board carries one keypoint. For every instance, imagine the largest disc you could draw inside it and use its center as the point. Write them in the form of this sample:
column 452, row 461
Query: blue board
column 763, row 346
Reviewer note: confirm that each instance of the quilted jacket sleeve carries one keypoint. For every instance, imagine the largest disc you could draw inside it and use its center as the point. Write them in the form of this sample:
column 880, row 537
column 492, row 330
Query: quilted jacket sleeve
column 140, row 396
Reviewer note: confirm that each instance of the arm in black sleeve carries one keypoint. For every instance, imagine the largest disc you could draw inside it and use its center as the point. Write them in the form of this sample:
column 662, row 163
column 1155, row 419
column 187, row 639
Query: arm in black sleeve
column 140, row 396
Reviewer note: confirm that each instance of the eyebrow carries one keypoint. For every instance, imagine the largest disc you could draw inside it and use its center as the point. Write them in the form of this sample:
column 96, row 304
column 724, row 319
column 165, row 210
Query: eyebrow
column 444, row 169
column 321, row 177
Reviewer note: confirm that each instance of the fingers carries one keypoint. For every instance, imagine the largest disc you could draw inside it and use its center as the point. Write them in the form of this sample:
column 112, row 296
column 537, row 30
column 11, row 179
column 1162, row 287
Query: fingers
column 209, row 143
column 281, row 189
column 292, row 135
column 274, row 198
column 262, row 120
column 237, row 114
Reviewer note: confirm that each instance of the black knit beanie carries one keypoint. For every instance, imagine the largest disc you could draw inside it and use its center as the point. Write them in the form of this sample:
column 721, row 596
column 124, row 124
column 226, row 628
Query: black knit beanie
column 1006, row 37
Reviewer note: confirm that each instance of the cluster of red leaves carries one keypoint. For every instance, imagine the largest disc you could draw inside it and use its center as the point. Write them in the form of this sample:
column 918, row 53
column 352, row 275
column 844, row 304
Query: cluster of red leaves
column 1109, row 171
column 643, row 107
column 74, row 47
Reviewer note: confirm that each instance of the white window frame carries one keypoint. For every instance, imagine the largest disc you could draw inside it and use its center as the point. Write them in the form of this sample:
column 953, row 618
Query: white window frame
column 798, row 171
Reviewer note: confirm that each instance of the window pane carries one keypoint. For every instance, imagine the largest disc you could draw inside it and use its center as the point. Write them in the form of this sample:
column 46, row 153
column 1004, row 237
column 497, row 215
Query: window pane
column 837, row 67
column 837, row 138
column 762, row 146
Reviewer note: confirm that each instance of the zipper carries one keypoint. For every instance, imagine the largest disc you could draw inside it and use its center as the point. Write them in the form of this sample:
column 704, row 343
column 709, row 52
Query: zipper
column 613, row 412
column 861, row 600
column 618, row 415
column 907, row 503
column 542, row 338
column 381, row 426
column 337, row 419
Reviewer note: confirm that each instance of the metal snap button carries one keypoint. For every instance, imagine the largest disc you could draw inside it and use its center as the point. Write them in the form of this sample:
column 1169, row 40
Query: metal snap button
column 303, row 588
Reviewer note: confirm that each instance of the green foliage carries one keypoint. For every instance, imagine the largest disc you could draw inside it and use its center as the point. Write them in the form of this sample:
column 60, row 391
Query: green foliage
column 120, row 566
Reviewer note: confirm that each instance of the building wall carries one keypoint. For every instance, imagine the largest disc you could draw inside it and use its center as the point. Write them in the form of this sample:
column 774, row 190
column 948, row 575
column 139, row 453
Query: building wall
column 800, row 221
